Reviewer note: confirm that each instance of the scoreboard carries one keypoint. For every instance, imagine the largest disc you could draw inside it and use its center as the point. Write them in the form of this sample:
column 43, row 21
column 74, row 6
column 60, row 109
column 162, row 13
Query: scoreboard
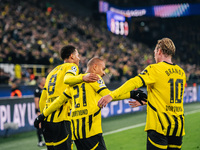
column 117, row 23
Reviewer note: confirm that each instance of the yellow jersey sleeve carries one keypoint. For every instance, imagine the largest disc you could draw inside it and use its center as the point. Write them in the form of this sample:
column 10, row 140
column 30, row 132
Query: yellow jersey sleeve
column 57, row 103
column 148, row 75
column 100, row 87
column 71, row 76
column 128, row 86
column 71, row 80
column 43, row 99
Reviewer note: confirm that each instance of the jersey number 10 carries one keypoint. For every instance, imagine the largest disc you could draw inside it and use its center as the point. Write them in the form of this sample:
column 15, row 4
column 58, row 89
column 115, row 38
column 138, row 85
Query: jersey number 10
column 177, row 91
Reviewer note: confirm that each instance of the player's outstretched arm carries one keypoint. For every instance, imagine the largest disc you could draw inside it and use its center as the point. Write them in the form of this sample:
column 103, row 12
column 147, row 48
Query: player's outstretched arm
column 104, row 101
column 71, row 80
column 90, row 77
column 137, row 95
column 57, row 103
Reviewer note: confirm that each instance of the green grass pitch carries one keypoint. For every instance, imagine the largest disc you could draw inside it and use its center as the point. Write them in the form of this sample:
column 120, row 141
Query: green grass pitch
column 125, row 132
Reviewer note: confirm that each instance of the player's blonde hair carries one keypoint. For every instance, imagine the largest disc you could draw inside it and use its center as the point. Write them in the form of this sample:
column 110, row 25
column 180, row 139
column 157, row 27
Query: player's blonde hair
column 167, row 46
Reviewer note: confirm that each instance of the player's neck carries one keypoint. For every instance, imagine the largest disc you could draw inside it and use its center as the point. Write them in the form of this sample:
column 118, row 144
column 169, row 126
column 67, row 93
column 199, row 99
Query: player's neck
column 167, row 59
column 89, row 70
column 68, row 61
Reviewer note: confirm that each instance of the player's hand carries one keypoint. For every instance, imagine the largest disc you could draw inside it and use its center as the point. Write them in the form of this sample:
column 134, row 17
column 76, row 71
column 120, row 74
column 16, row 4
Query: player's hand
column 38, row 120
column 139, row 95
column 104, row 101
column 38, row 113
column 90, row 77
column 134, row 104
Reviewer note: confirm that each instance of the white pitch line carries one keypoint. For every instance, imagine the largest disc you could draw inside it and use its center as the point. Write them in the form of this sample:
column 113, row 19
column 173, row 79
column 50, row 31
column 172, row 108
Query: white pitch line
column 123, row 129
column 192, row 112
column 141, row 124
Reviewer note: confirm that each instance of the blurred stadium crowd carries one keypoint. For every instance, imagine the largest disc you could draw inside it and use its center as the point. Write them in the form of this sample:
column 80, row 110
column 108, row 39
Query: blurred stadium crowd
column 31, row 32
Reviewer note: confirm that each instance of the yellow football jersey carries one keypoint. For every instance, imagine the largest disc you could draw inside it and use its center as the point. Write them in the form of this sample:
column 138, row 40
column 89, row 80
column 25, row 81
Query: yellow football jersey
column 165, row 87
column 54, row 87
column 85, row 114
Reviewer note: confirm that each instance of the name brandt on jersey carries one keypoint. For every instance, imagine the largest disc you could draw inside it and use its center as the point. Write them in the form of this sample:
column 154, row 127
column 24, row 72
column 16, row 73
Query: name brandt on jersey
column 174, row 70
column 173, row 108
column 79, row 112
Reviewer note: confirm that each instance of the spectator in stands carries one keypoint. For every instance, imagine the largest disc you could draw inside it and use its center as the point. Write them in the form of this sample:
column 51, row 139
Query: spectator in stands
column 33, row 80
column 4, row 77
column 31, row 35
column 15, row 91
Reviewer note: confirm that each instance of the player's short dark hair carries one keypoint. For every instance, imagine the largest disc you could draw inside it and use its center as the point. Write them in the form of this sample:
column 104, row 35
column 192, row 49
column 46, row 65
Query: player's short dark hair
column 66, row 51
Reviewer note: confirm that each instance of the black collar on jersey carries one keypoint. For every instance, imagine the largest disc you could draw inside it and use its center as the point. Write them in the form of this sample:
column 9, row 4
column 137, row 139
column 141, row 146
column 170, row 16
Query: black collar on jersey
column 169, row 63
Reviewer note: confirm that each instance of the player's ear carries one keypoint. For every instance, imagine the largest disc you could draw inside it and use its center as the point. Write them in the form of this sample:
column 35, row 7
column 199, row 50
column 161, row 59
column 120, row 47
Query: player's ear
column 94, row 67
column 159, row 51
column 71, row 56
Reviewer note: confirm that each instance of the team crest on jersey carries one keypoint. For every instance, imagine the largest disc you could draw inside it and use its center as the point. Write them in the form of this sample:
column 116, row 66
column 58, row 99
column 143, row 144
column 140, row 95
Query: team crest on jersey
column 73, row 69
column 101, row 83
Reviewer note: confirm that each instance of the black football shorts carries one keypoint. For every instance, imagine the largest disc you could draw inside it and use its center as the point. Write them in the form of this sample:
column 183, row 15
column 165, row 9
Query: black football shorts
column 57, row 135
column 156, row 141
column 92, row 143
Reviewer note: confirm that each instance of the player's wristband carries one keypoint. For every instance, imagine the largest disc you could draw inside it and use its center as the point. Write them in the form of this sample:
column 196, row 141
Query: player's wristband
column 37, row 110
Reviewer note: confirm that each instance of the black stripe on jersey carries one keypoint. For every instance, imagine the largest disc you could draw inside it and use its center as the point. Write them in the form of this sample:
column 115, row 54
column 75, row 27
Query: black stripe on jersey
column 96, row 113
column 182, row 125
column 77, row 120
column 52, row 116
column 90, row 121
column 69, row 73
column 83, row 128
column 74, row 129
column 61, row 108
column 176, row 126
column 169, row 126
column 44, row 88
column 142, row 80
column 160, row 122
column 101, row 89
column 152, row 107
column 67, row 95
column 157, row 114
